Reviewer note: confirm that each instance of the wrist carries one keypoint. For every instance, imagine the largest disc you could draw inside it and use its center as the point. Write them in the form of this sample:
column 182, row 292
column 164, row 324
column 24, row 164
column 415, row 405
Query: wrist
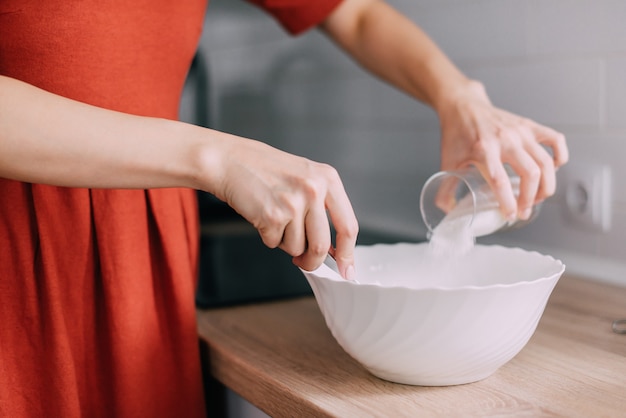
column 205, row 159
column 463, row 90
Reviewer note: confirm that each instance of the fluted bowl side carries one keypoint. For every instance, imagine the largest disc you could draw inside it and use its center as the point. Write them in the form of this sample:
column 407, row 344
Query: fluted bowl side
column 417, row 321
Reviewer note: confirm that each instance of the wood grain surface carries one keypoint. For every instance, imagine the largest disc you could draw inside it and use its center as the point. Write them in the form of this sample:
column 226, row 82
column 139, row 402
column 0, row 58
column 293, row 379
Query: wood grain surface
column 281, row 357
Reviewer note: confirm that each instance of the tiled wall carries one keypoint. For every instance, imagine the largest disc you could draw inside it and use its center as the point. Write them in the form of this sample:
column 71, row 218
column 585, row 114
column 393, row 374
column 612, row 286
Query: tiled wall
column 560, row 62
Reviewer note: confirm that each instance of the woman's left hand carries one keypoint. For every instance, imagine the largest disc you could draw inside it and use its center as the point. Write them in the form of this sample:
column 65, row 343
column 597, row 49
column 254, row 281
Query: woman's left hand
column 474, row 132
column 477, row 133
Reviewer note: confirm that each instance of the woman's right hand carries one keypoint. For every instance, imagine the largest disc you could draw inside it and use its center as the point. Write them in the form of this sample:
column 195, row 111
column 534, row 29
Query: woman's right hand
column 73, row 144
column 288, row 199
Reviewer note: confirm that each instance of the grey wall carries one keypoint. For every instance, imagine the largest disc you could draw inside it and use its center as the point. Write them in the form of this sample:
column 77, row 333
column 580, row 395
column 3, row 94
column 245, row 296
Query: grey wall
column 560, row 62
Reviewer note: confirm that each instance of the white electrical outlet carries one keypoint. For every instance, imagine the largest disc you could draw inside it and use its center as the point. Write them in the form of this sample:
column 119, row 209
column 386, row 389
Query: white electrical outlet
column 587, row 195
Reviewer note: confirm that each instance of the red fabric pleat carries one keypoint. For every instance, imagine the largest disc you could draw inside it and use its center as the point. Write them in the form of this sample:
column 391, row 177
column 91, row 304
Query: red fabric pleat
column 97, row 314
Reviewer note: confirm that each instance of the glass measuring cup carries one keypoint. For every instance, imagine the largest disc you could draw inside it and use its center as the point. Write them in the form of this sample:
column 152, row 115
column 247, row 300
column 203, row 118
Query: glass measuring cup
column 464, row 197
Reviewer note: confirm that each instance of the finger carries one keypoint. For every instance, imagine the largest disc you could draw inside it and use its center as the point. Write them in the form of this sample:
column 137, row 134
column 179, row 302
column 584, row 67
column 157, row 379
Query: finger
column 346, row 227
column 345, row 242
column 547, row 183
column 293, row 241
column 530, row 175
column 498, row 180
column 555, row 141
column 271, row 227
column 445, row 199
column 317, row 238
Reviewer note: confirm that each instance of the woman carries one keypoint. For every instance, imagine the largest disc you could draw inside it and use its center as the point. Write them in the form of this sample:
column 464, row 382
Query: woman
column 98, row 222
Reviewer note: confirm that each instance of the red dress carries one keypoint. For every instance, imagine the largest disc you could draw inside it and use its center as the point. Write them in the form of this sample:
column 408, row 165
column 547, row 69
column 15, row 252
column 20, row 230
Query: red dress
column 97, row 312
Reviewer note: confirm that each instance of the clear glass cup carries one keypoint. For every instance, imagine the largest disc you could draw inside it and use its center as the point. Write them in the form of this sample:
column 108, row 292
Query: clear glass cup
column 465, row 197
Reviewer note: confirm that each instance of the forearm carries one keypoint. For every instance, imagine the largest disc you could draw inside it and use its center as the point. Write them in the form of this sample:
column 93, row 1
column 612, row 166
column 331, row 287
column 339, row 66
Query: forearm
column 394, row 48
column 45, row 138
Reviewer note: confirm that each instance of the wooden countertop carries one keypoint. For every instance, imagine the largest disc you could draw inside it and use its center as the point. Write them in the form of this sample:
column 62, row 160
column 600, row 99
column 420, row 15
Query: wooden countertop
column 281, row 357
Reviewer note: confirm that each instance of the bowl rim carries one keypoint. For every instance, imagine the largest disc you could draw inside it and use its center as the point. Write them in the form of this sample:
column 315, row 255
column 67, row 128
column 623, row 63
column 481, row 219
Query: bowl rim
column 342, row 282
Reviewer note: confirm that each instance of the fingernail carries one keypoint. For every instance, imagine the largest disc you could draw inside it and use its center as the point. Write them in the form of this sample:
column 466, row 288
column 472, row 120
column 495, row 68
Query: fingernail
column 350, row 273
column 526, row 214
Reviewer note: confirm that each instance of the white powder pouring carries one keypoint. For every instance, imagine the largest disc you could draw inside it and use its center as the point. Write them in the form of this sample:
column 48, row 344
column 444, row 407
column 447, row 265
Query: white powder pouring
column 452, row 240
column 447, row 260
column 455, row 235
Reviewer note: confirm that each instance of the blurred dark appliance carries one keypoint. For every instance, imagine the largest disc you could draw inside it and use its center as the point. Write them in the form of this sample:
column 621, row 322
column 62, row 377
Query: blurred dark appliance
column 235, row 266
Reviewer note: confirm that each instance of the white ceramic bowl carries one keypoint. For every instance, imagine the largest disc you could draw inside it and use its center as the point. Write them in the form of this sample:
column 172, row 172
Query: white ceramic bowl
column 416, row 321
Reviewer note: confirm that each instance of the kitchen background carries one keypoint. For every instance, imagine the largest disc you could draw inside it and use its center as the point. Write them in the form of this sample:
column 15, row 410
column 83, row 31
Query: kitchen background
column 559, row 62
